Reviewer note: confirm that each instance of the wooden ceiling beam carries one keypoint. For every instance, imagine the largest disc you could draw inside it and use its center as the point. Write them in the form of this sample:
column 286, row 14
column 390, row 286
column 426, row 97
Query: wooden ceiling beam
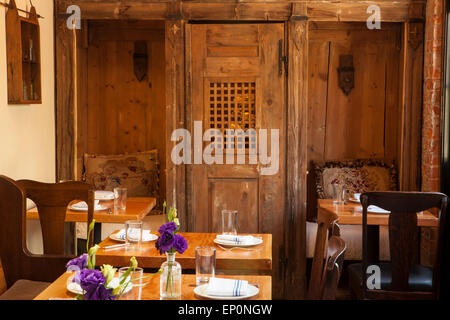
column 242, row 10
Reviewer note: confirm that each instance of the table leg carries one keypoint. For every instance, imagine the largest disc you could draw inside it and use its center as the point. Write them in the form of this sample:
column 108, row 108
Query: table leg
column 69, row 238
column 373, row 243
column 97, row 233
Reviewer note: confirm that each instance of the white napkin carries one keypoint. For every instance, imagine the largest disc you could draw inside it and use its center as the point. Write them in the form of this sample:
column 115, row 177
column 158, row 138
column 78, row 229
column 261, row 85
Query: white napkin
column 104, row 195
column 376, row 209
column 226, row 287
column 83, row 205
column 134, row 235
column 233, row 239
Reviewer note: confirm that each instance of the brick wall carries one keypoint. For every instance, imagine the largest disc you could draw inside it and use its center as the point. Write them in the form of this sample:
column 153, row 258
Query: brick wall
column 432, row 90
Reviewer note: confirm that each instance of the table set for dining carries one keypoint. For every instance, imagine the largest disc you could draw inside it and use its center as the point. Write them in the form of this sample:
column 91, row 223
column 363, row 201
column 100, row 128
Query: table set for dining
column 349, row 212
column 216, row 266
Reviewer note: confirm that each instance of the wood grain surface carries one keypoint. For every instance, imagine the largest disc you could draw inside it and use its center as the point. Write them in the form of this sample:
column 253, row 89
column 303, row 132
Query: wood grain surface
column 151, row 291
column 237, row 260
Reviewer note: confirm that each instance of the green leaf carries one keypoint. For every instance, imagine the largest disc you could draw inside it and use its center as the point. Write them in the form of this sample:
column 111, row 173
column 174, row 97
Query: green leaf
column 91, row 227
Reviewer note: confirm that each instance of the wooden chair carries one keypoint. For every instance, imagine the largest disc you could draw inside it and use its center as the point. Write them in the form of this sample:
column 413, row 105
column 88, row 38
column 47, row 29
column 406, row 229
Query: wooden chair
column 52, row 201
column 327, row 264
column 401, row 278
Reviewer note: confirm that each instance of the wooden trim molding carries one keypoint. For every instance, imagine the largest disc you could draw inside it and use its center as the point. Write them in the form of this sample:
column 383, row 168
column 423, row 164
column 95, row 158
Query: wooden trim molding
column 175, row 113
column 294, row 272
column 412, row 77
column 65, row 100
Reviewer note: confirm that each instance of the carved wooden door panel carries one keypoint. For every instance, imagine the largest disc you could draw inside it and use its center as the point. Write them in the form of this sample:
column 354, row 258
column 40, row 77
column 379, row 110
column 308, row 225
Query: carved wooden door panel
column 237, row 82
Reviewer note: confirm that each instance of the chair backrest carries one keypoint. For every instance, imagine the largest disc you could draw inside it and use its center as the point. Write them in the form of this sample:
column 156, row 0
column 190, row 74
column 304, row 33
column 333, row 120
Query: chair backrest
column 403, row 239
column 18, row 262
column 328, row 253
column 52, row 200
column 333, row 268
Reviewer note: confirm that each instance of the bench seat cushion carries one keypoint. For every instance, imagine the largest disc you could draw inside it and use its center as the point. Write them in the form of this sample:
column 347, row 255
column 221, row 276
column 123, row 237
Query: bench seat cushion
column 358, row 176
column 24, row 290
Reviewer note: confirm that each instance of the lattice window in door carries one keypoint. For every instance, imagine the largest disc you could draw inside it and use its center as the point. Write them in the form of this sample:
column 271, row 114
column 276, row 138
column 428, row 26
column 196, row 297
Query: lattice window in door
column 232, row 105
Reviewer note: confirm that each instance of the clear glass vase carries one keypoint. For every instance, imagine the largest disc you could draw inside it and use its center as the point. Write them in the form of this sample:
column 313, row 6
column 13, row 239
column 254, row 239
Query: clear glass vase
column 170, row 283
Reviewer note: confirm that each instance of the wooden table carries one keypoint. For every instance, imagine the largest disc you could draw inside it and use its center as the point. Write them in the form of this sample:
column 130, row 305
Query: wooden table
column 137, row 209
column 151, row 291
column 237, row 260
column 351, row 213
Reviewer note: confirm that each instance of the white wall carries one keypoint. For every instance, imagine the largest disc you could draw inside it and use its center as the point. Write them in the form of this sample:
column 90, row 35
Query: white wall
column 27, row 132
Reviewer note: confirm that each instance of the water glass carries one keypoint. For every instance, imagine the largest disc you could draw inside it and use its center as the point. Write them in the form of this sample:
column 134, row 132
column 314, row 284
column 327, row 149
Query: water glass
column 229, row 222
column 135, row 280
column 120, row 199
column 133, row 234
column 338, row 193
column 205, row 264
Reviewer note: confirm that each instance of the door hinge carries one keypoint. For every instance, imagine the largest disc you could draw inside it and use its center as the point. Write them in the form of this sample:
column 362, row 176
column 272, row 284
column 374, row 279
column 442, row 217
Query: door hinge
column 282, row 60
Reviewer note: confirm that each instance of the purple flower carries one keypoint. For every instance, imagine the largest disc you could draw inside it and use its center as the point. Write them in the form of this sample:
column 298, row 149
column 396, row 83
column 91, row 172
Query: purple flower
column 167, row 227
column 78, row 263
column 99, row 292
column 93, row 283
column 88, row 278
column 180, row 243
column 164, row 242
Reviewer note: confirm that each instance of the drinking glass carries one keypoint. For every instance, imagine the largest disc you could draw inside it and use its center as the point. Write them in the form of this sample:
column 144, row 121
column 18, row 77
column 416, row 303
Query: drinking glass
column 205, row 264
column 338, row 193
column 120, row 199
column 134, row 279
column 229, row 222
column 133, row 234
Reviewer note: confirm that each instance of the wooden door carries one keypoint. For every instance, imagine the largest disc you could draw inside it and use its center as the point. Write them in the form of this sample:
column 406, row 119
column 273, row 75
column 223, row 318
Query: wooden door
column 237, row 82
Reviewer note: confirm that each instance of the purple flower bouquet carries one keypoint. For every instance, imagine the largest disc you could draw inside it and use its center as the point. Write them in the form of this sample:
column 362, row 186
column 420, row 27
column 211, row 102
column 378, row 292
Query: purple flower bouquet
column 99, row 284
column 170, row 242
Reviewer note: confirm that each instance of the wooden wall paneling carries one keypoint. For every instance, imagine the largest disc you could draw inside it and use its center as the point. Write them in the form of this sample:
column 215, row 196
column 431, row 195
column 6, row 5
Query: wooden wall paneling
column 82, row 98
column 412, row 79
column 355, row 123
column 126, row 115
column 94, row 74
column 294, row 271
column 366, row 122
column 65, row 138
column 277, row 216
column 392, row 132
column 318, row 66
column 157, row 137
column 175, row 112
